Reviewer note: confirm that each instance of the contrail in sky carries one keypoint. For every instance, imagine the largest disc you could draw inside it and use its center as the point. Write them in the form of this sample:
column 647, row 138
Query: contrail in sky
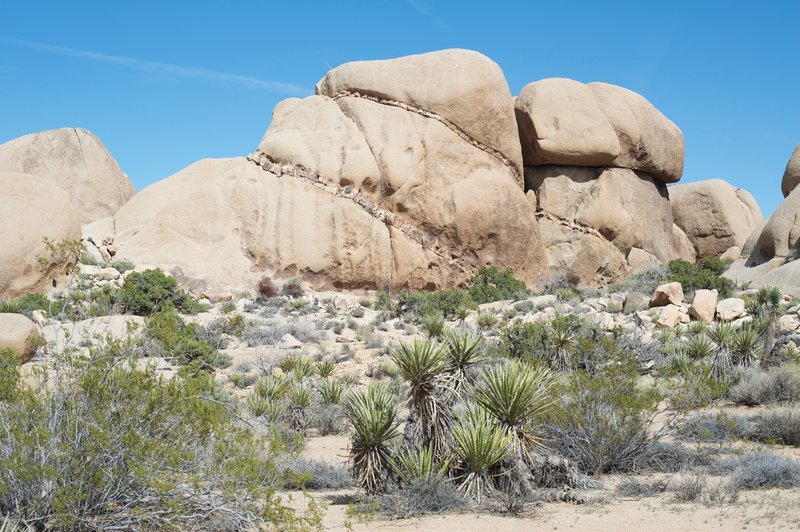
column 162, row 68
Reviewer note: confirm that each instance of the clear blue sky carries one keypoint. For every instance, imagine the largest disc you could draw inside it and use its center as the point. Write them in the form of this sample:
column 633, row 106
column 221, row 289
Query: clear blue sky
column 164, row 84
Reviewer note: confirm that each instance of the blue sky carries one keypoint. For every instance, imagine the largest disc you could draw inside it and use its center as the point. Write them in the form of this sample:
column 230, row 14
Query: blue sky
column 164, row 84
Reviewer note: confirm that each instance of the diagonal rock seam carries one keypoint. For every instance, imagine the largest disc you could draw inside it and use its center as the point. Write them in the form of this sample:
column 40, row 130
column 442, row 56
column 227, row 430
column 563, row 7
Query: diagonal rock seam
column 347, row 192
column 571, row 224
column 451, row 126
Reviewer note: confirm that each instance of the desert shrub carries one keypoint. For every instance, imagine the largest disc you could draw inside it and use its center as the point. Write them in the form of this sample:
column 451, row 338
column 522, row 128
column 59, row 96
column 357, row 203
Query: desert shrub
column 706, row 275
column 719, row 427
column 62, row 256
column 122, row 265
column 602, row 420
column 315, row 475
column 490, row 284
column 421, row 497
column 645, row 282
column 292, row 288
column 108, row 444
column 270, row 332
column 182, row 341
column 698, row 489
column 522, row 340
column 695, row 386
column 328, row 419
column 758, row 387
column 633, row 487
column 445, row 302
column 759, row 470
column 357, row 312
column 9, row 374
column 383, row 301
column 144, row 293
column 266, row 288
column 781, row 425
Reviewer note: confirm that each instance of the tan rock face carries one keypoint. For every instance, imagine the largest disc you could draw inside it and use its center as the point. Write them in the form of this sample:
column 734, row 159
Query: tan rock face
column 648, row 140
column 791, row 176
column 730, row 309
column 621, row 216
column 461, row 88
column 560, row 123
column 714, row 215
column 33, row 208
column 77, row 162
column 18, row 333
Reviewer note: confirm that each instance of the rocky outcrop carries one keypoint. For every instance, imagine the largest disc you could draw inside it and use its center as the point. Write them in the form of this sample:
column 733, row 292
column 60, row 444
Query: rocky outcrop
column 399, row 173
column 33, row 209
column 76, row 161
column 769, row 256
column 565, row 122
column 791, row 176
column 601, row 224
column 714, row 215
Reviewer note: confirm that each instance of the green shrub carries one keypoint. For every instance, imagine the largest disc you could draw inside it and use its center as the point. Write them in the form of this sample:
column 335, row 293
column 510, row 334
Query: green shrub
column 757, row 387
column 144, row 293
column 491, row 284
column 448, row 303
column 522, row 340
column 781, row 425
column 109, row 444
column 9, row 375
column 122, row 265
column 180, row 341
column 602, row 421
column 706, row 275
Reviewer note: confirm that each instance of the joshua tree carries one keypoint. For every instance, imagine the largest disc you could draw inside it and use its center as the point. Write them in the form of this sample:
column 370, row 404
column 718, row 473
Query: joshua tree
column 747, row 347
column 767, row 307
column 562, row 342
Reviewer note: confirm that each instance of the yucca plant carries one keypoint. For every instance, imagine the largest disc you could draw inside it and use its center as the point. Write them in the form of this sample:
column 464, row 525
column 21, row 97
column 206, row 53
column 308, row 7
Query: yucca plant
column 515, row 394
column 373, row 415
column 699, row 347
column 301, row 397
column 666, row 336
column 698, row 327
column 486, row 320
column 237, row 378
column 271, row 387
column 463, row 351
column 746, row 347
column 331, row 391
column 419, row 463
column 303, row 367
column 561, row 342
column 480, row 447
column 423, row 365
column 433, row 325
column 325, row 367
column 722, row 334
column 258, row 406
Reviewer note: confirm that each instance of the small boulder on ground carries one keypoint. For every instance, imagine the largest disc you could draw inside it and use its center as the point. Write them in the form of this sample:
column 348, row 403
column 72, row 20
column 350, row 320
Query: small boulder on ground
column 704, row 305
column 730, row 309
column 18, row 333
column 668, row 293
column 672, row 315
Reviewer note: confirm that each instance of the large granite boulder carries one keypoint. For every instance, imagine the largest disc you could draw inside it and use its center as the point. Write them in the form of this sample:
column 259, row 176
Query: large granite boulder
column 791, row 176
column 560, row 123
column 76, row 161
column 565, row 122
column 601, row 224
column 33, row 209
column 19, row 334
column 714, row 215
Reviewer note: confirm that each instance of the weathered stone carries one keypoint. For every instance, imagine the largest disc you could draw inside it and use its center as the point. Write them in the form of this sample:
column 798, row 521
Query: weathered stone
column 704, row 305
column 791, row 176
column 635, row 301
column 730, row 309
column 668, row 293
column 670, row 316
column 18, row 334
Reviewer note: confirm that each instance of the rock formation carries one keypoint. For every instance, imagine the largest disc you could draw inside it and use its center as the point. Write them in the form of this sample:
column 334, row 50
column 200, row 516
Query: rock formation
column 76, row 161
column 398, row 173
column 597, row 158
column 769, row 255
column 714, row 215
column 791, row 176
column 33, row 208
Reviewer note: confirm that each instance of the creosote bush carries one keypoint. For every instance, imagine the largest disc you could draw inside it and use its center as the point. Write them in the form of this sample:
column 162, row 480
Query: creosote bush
column 491, row 284
column 107, row 443
column 144, row 293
